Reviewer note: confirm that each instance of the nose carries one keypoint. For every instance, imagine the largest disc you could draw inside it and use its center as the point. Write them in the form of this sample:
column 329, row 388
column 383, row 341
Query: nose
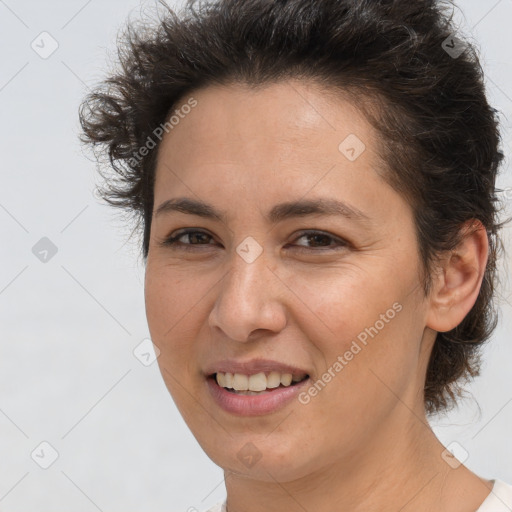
column 249, row 300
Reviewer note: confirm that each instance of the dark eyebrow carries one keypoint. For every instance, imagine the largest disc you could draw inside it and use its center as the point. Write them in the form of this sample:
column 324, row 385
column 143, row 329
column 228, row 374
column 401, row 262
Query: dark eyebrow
column 280, row 212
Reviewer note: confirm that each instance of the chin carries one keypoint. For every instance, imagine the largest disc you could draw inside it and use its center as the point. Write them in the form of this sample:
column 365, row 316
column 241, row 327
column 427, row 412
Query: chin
column 252, row 457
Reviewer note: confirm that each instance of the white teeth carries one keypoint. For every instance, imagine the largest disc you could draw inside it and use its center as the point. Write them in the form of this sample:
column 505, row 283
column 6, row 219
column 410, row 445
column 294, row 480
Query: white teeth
column 240, row 382
column 255, row 383
column 228, row 380
column 221, row 379
column 273, row 380
column 286, row 379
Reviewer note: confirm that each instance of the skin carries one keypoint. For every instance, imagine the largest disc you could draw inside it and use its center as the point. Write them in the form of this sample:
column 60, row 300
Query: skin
column 363, row 443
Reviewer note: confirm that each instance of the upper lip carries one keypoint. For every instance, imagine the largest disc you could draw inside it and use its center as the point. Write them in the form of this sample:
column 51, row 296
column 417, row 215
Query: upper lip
column 252, row 367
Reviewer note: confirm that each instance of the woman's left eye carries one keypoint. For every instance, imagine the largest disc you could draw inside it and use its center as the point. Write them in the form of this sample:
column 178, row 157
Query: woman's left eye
column 321, row 240
column 315, row 240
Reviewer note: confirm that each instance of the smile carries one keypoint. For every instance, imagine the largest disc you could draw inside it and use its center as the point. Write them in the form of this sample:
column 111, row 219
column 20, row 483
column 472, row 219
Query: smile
column 257, row 394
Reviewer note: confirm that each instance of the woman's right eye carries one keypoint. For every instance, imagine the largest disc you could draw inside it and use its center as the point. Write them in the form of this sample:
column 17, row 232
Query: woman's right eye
column 192, row 235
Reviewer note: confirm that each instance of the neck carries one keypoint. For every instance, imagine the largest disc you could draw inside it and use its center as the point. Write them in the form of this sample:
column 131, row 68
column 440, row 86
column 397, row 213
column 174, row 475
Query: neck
column 401, row 468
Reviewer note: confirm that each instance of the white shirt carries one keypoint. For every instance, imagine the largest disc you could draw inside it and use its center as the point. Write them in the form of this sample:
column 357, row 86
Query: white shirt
column 499, row 500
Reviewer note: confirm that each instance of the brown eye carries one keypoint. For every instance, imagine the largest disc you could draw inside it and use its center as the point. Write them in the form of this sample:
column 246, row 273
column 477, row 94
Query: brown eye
column 188, row 237
column 321, row 240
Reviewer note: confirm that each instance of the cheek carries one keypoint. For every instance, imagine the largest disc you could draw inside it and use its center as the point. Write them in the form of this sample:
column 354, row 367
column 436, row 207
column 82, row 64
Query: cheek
column 368, row 329
column 169, row 301
column 346, row 303
column 172, row 319
column 169, row 312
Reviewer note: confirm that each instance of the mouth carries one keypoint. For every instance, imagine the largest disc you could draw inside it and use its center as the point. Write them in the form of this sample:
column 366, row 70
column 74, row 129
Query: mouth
column 255, row 387
column 258, row 383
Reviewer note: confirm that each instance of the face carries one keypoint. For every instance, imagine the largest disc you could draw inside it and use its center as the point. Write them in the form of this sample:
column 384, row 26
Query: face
column 304, row 261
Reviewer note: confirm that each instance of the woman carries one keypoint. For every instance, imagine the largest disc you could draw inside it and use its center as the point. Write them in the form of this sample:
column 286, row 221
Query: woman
column 315, row 182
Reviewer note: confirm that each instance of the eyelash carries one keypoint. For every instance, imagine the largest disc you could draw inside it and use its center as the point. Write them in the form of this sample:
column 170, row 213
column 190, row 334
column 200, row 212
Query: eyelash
column 172, row 241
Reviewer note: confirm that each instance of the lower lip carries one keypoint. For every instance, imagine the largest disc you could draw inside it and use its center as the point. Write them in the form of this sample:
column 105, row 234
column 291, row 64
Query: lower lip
column 254, row 405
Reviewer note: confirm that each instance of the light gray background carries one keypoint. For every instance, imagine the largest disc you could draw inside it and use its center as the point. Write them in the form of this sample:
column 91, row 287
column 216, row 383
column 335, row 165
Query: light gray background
column 68, row 375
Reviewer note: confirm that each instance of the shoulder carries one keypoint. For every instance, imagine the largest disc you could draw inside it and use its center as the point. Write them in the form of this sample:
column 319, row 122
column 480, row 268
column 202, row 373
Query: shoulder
column 499, row 499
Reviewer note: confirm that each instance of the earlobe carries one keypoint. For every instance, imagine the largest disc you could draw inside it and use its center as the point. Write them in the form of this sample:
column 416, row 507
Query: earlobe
column 457, row 283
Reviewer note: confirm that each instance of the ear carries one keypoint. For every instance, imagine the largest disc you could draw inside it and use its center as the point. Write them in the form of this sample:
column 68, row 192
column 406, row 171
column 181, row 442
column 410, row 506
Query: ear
column 457, row 283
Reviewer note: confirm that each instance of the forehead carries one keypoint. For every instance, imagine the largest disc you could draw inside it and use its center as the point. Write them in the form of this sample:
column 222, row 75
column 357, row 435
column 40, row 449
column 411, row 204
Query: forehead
column 252, row 153
column 275, row 132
